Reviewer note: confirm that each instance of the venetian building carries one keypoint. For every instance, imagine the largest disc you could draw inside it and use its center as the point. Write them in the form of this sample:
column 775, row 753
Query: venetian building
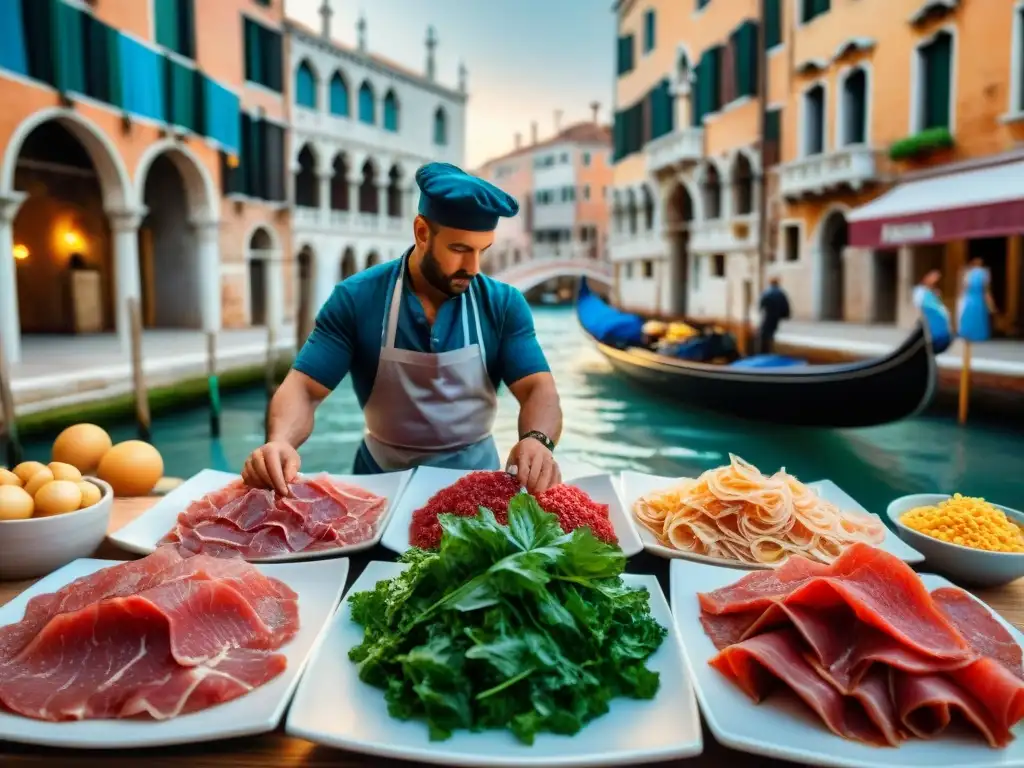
column 123, row 126
column 361, row 126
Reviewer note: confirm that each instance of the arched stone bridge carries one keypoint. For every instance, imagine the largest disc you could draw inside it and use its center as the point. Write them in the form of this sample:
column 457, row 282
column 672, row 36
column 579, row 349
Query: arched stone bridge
column 530, row 274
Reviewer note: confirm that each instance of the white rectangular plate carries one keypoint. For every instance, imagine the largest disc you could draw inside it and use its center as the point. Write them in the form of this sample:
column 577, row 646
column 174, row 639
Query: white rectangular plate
column 142, row 534
column 782, row 726
column 637, row 484
column 333, row 707
column 429, row 480
column 319, row 585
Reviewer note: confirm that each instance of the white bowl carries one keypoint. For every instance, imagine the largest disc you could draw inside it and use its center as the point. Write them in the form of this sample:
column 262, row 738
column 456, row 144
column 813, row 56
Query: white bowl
column 40, row 545
column 966, row 565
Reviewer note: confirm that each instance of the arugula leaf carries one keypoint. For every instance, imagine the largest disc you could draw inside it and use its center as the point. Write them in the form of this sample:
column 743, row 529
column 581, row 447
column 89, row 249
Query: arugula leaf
column 522, row 627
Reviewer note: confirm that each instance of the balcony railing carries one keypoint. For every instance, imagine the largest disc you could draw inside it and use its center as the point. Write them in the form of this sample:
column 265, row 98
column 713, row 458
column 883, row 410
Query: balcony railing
column 724, row 235
column 354, row 222
column 852, row 167
column 631, row 246
column 683, row 145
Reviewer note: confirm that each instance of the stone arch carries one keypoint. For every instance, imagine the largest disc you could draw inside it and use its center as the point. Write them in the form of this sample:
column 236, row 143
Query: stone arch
column 202, row 192
column 709, row 181
column 306, row 70
column 395, row 192
column 307, row 173
column 118, row 191
column 632, row 212
column 341, row 170
column 339, row 95
column 648, row 207
column 830, row 240
column 742, row 184
column 372, row 258
column 348, row 266
column 367, row 103
column 261, row 249
column 440, row 127
column 392, row 111
column 369, row 179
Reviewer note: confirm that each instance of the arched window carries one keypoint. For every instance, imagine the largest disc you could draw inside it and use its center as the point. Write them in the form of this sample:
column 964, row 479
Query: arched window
column 440, row 127
column 367, row 104
column 391, row 112
column 339, row 96
column 305, row 86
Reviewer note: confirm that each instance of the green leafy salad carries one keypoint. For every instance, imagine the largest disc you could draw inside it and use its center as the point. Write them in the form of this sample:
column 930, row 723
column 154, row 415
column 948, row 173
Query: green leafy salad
column 520, row 626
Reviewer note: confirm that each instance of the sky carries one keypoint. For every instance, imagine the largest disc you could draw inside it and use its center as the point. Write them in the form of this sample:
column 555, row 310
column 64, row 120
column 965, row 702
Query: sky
column 526, row 58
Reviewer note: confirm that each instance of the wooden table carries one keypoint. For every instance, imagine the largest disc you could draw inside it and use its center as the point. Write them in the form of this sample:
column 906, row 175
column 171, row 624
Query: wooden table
column 276, row 750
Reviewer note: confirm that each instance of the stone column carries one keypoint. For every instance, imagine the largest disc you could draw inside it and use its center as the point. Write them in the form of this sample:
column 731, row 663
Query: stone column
column 127, row 281
column 382, row 201
column 324, row 207
column 353, row 196
column 906, row 312
column 10, row 322
column 275, row 290
column 208, row 252
column 325, row 277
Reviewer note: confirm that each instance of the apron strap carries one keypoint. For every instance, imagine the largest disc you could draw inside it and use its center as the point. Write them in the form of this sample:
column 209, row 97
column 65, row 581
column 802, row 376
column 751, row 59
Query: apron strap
column 479, row 332
column 390, row 330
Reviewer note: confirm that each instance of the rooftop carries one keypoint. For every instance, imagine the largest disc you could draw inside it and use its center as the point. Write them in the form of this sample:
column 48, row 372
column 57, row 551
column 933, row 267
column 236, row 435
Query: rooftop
column 585, row 132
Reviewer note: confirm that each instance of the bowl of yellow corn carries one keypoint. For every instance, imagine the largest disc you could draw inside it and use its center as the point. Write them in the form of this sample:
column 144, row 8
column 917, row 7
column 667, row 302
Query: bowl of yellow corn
column 971, row 540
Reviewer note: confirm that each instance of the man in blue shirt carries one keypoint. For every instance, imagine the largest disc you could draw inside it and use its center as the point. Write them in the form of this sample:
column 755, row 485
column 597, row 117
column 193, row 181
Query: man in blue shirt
column 774, row 309
column 427, row 340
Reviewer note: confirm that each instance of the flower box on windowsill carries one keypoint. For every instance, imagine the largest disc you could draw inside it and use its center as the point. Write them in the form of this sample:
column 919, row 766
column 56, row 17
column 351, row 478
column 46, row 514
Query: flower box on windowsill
column 921, row 144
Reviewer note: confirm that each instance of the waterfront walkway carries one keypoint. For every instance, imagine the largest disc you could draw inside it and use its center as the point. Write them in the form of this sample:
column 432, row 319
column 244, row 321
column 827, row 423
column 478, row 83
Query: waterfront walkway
column 62, row 370
column 998, row 357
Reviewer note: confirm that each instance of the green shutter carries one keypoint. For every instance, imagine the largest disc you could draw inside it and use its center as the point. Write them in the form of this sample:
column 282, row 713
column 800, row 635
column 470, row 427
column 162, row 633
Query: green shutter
column 773, row 125
column 773, row 23
column 274, row 62
column 102, row 62
column 187, row 28
column 181, row 98
column 257, row 159
column 714, row 70
column 253, row 58
column 168, row 33
column 746, row 58
column 70, row 36
column 938, row 64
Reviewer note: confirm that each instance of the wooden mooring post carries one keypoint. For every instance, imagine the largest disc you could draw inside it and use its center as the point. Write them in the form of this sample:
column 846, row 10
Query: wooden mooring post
column 8, row 424
column 142, row 417
column 214, row 382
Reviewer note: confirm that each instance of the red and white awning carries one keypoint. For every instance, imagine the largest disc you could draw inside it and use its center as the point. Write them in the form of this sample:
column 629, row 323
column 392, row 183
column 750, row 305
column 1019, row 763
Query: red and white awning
column 985, row 202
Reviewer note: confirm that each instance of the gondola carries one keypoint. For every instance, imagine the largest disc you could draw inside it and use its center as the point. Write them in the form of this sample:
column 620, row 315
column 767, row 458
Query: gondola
column 860, row 394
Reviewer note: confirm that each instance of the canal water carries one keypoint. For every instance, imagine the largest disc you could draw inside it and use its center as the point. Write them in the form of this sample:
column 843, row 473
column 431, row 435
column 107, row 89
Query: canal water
column 612, row 425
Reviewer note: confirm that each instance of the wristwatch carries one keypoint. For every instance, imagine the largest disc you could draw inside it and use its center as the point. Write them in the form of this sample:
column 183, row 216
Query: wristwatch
column 541, row 438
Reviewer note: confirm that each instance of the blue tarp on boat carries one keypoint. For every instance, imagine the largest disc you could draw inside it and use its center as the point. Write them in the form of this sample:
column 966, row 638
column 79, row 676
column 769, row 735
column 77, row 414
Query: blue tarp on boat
column 607, row 324
column 767, row 361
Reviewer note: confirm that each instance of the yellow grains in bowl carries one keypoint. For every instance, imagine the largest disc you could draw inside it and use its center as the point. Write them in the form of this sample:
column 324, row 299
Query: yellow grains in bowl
column 969, row 522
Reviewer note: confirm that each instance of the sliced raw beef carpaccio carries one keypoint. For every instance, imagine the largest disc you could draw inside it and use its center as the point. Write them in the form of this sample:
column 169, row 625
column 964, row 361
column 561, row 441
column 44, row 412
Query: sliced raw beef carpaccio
column 254, row 523
column 866, row 647
column 157, row 637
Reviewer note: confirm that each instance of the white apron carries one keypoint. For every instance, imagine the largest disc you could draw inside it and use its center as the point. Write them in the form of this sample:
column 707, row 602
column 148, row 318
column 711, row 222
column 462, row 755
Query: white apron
column 431, row 409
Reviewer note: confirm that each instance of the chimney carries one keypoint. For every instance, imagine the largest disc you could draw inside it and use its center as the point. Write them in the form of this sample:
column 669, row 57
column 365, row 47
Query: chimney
column 533, row 132
column 325, row 19
column 595, row 107
column 519, row 140
column 431, row 48
column 361, row 33
column 558, row 120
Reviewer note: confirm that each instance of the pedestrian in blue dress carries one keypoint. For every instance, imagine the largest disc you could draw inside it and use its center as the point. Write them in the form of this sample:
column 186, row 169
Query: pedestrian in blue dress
column 975, row 306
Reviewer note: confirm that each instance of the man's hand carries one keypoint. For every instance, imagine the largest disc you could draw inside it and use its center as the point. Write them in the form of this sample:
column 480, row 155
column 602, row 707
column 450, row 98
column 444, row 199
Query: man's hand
column 534, row 466
column 272, row 466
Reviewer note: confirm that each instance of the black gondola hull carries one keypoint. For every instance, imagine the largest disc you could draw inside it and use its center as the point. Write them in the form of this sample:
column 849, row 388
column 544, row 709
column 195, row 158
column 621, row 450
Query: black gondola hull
column 861, row 394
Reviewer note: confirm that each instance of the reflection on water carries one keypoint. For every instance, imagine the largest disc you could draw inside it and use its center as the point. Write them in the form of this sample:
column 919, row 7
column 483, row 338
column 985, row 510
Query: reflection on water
column 611, row 424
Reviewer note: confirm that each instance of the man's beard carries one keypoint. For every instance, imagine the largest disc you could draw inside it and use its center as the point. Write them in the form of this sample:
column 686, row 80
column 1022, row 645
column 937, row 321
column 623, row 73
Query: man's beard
column 434, row 275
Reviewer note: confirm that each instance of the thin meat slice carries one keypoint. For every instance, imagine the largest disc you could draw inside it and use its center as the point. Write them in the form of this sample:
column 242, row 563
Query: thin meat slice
column 189, row 689
column 755, row 664
column 319, row 514
column 986, row 635
column 926, row 705
column 873, row 693
column 759, row 589
column 115, row 581
column 91, row 663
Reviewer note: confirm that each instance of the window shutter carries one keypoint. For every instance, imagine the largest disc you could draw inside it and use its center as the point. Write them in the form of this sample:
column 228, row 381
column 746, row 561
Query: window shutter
column 252, row 51
column 165, row 23
column 938, row 66
column 715, row 88
column 180, row 87
column 70, row 40
column 273, row 50
column 187, row 28
column 773, row 23
column 13, row 37
column 727, row 73
column 102, row 61
column 274, row 162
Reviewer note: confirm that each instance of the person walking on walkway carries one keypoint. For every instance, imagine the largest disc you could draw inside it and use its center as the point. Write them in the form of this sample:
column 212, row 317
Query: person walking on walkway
column 975, row 307
column 774, row 308
column 929, row 303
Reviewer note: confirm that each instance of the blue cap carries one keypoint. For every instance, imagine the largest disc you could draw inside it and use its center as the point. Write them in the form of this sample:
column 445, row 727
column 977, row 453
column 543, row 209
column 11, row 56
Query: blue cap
column 453, row 198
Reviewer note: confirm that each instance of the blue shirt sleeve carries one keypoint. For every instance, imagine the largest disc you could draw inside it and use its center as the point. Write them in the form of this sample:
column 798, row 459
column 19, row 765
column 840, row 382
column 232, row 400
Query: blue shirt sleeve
column 519, row 352
column 326, row 357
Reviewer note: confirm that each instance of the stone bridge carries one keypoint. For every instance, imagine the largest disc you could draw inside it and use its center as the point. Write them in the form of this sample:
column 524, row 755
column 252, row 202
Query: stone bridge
column 530, row 274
